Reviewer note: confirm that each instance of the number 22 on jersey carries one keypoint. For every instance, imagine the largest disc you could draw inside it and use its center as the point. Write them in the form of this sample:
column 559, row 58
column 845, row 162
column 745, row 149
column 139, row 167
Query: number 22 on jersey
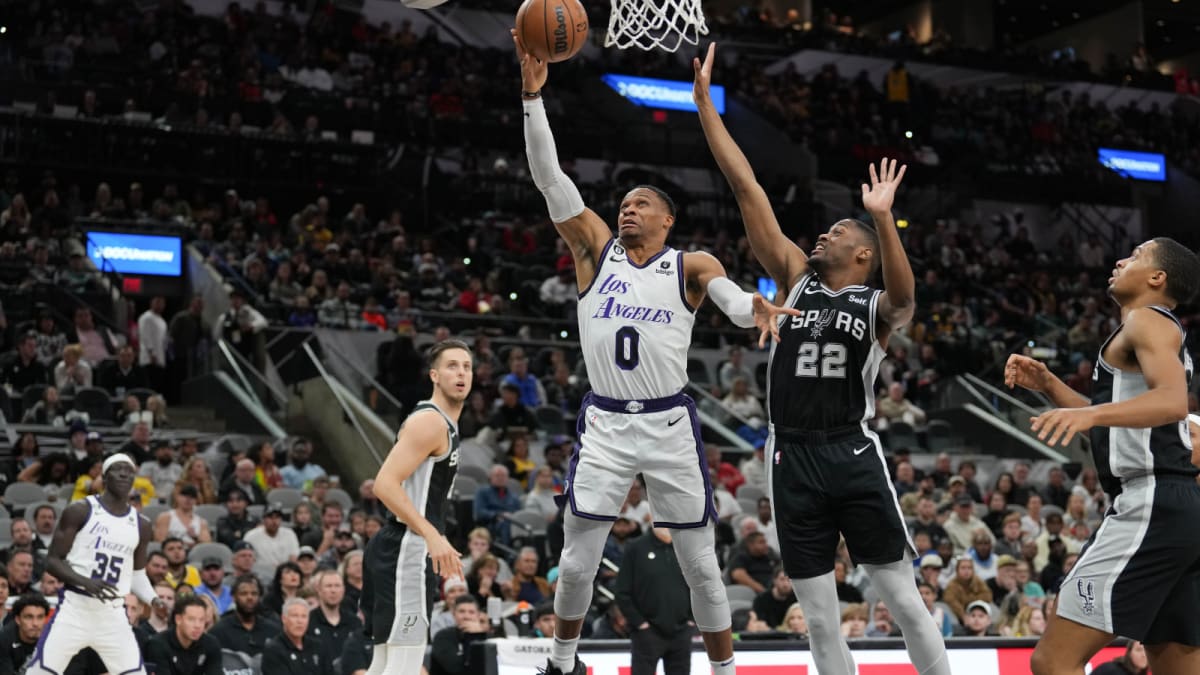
column 816, row 360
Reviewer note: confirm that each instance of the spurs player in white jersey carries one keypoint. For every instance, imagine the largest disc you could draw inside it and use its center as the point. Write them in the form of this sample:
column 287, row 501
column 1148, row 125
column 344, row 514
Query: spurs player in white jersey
column 636, row 310
column 99, row 554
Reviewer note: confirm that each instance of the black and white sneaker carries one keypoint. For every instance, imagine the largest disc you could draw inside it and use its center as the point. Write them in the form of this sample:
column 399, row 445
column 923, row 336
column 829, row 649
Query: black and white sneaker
column 550, row 669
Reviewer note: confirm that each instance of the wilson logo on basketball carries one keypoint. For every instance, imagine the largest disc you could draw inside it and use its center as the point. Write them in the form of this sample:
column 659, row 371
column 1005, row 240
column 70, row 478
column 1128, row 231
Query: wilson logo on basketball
column 560, row 30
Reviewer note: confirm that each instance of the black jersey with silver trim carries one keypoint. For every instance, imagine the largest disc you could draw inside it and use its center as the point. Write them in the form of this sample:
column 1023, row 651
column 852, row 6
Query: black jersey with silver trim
column 822, row 371
column 1122, row 453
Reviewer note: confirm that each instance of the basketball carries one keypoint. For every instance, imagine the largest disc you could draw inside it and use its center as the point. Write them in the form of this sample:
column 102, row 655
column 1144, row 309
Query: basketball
column 552, row 30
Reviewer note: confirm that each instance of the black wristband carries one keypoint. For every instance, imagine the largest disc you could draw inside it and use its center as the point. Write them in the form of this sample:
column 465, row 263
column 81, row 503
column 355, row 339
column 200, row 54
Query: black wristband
column 531, row 95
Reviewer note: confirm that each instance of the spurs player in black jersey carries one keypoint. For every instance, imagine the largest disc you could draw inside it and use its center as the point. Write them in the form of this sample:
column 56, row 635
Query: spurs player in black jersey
column 1139, row 575
column 826, row 469
column 402, row 562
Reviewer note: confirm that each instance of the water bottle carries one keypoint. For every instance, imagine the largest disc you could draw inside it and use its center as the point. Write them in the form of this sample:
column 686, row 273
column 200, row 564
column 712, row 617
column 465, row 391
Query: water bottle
column 494, row 615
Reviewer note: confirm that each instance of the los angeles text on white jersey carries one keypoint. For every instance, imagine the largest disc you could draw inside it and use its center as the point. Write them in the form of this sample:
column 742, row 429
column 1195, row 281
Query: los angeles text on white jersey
column 635, row 326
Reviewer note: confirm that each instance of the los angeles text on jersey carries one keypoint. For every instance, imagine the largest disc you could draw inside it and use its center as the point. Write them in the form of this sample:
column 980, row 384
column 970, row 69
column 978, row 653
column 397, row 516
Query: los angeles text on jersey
column 612, row 308
column 101, row 533
column 820, row 320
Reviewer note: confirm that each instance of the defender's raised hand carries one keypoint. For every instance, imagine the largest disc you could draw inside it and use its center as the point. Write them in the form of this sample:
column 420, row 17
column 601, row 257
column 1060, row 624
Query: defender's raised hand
column 766, row 317
column 881, row 193
column 703, row 75
column 533, row 69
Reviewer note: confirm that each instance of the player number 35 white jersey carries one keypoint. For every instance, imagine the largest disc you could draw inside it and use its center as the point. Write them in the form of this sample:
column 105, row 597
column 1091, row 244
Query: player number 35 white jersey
column 104, row 546
column 635, row 326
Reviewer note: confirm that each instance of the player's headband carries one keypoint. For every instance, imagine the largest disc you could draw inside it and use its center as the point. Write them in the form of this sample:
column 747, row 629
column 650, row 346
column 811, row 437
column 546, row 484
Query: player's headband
column 116, row 459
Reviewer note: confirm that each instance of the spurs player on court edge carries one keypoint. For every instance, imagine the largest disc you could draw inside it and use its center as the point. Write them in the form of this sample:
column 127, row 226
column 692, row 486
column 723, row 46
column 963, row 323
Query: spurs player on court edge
column 825, row 468
column 403, row 561
column 636, row 309
column 98, row 552
column 1139, row 575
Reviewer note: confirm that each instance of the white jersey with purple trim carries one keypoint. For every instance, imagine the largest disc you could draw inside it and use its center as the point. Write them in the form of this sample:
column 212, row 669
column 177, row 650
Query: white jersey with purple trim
column 104, row 545
column 635, row 325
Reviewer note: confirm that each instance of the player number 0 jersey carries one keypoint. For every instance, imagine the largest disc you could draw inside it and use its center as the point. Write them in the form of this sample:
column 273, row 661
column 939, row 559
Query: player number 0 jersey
column 103, row 547
column 635, row 325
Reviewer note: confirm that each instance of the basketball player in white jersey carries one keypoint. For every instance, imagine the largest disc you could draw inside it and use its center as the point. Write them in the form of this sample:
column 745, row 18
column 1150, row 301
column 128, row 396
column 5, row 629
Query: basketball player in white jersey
column 636, row 309
column 403, row 560
column 826, row 472
column 99, row 554
column 1138, row 577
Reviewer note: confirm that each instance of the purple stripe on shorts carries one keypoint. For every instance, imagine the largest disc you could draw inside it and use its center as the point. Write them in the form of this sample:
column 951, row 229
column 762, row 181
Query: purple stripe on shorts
column 710, row 509
column 37, row 651
column 569, row 493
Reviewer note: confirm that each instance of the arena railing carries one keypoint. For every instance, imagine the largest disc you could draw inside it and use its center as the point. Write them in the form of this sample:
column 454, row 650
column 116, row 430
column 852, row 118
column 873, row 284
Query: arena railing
column 241, row 367
column 347, row 413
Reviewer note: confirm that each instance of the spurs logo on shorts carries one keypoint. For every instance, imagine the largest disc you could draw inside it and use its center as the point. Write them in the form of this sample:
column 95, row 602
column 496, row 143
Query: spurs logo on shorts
column 409, row 623
column 1086, row 588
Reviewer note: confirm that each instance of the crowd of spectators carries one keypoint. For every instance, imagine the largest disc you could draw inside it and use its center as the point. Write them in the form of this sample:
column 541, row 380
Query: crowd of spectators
column 1128, row 65
column 985, row 553
column 333, row 73
column 1028, row 130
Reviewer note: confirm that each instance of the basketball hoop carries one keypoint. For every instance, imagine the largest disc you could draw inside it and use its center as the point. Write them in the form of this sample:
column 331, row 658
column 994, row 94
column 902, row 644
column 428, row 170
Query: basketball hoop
column 647, row 24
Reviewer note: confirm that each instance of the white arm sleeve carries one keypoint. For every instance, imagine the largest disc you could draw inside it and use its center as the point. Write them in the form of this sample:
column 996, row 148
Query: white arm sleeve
column 562, row 197
column 142, row 588
column 737, row 304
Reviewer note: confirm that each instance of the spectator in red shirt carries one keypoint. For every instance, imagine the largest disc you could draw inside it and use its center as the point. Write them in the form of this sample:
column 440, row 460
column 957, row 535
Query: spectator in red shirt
column 519, row 239
column 471, row 297
column 727, row 474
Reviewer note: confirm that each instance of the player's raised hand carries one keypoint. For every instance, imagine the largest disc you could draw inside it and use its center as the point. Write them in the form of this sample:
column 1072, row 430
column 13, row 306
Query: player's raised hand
column 703, row 74
column 100, row 590
column 1022, row 371
column 533, row 70
column 881, row 193
column 1060, row 425
column 446, row 561
column 766, row 317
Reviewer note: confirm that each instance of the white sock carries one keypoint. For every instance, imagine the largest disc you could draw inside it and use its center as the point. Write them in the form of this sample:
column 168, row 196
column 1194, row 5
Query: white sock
column 723, row 667
column 405, row 659
column 378, row 660
column 562, row 653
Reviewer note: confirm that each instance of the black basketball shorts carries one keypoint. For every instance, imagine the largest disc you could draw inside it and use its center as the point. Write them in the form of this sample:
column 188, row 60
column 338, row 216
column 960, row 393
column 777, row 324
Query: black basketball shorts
column 399, row 587
column 1139, row 575
column 831, row 483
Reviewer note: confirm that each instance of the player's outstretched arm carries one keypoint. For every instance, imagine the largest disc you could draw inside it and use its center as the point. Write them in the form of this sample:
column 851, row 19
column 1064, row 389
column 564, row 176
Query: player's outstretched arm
column 72, row 519
column 583, row 230
column 1156, row 342
column 422, row 435
column 780, row 256
column 898, row 300
column 705, row 275
column 1031, row 374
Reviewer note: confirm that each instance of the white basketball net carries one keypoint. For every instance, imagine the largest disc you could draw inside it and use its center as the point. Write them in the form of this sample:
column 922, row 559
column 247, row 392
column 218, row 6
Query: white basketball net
column 647, row 24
